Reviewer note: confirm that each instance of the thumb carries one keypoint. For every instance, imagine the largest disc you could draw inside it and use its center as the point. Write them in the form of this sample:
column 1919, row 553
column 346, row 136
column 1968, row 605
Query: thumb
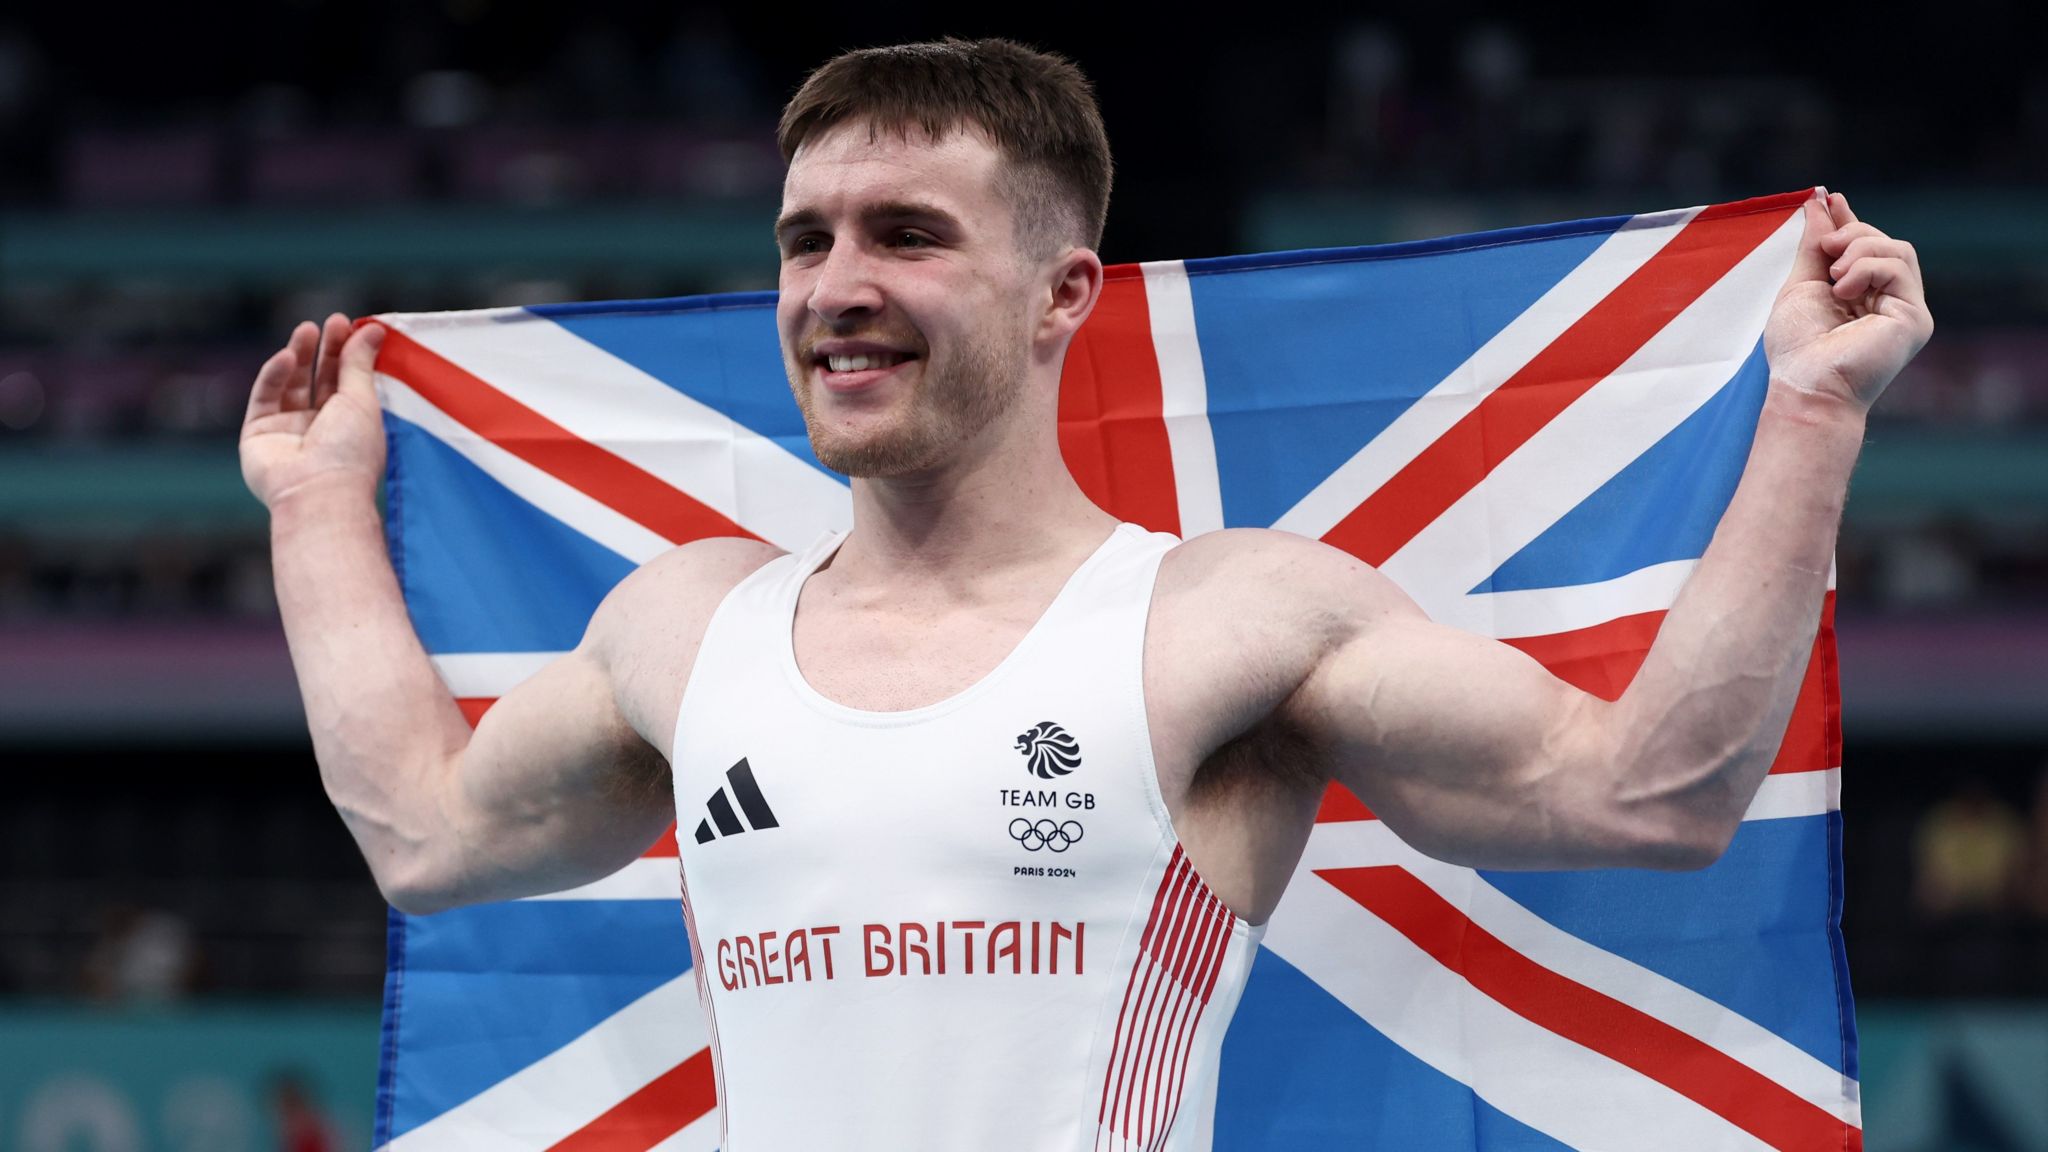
column 359, row 362
column 1810, row 262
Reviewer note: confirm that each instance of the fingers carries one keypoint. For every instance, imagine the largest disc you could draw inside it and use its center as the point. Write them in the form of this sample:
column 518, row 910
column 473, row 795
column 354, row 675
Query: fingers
column 327, row 369
column 267, row 397
column 358, row 363
column 1811, row 260
column 1886, row 274
column 1838, row 209
column 304, row 345
column 272, row 391
column 1872, row 243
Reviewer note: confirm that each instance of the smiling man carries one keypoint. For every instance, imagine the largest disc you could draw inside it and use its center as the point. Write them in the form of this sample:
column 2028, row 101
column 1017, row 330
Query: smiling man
column 983, row 803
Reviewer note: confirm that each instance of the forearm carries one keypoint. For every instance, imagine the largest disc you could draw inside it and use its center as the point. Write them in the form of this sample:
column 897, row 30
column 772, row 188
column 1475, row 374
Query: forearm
column 384, row 727
column 1696, row 731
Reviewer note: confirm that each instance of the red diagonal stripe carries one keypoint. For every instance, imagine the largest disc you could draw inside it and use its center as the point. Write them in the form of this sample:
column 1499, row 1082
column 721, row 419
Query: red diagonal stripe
column 1694, row 1069
column 618, row 484
column 653, row 1114
column 1112, row 415
column 1586, row 353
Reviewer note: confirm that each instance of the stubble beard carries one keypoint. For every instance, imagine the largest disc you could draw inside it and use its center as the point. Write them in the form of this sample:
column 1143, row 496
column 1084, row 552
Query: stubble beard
column 951, row 403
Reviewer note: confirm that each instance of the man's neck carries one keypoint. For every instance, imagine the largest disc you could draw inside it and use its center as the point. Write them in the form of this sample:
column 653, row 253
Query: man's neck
column 996, row 506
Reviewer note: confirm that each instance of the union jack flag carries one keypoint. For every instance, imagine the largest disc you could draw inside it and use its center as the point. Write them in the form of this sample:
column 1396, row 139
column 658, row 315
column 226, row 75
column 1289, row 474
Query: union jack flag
column 1533, row 431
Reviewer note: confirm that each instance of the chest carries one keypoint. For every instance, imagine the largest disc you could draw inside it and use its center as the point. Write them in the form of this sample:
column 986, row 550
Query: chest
column 896, row 657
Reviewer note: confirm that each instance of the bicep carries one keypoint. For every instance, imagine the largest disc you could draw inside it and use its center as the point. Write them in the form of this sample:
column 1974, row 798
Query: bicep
column 555, row 787
column 1469, row 749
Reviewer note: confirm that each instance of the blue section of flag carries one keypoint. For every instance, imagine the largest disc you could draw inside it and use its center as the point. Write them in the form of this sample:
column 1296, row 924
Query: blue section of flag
column 492, row 988
column 726, row 355
column 1300, row 1071
column 1663, row 506
column 1739, row 933
column 482, row 569
column 1306, row 362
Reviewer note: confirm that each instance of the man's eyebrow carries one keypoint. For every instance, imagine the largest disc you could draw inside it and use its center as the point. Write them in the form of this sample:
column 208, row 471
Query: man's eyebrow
column 882, row 211
column 801, row 218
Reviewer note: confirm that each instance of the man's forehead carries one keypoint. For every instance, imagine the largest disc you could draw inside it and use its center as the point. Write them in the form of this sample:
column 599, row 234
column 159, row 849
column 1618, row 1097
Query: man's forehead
column 852, row 163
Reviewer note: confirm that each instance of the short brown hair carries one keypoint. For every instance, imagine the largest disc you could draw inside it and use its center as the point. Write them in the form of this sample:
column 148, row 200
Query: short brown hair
column 1035, row 107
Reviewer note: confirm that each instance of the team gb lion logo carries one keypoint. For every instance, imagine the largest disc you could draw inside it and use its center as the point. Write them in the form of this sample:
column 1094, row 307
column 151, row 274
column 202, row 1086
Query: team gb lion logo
column 1048, row 751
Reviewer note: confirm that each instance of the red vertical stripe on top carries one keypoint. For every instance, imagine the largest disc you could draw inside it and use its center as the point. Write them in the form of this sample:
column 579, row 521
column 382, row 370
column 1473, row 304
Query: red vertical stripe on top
column 1119, row 1037
column 1112, row 420
column 1691, row 1067
column 1586, row 353
column 1156, row 976
column 656, row 1112
column 618, row 484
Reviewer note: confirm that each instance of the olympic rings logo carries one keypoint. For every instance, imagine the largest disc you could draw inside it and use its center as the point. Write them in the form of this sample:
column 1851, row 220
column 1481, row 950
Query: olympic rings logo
column 1045, row 834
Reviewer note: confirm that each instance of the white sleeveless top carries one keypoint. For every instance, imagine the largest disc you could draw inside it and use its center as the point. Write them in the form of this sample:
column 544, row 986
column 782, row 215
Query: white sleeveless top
column 963, row 926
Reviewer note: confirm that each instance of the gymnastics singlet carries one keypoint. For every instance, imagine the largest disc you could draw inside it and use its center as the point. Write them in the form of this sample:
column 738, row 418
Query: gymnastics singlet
column 967, row 926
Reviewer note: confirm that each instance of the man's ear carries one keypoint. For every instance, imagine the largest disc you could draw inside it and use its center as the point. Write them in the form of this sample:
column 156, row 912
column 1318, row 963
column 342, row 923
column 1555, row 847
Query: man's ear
column 1074, row 284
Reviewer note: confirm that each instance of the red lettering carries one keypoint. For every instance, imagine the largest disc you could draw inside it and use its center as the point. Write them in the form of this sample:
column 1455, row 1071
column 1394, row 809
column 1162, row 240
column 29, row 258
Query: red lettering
column 903, row 932
column 941, row 926
column 744, row 948
column 797, row 950
column 968, row 927
column 726, row 975
column 1058, row 930
column 824, row 937
column 768, row 958
column 871, row 949
column 1034, row 947
column 997, row 952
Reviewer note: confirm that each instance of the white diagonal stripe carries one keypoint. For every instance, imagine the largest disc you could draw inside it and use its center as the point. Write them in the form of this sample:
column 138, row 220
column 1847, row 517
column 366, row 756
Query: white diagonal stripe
column 700, row 1136
column 1423, row 422
column 1530, row 1073
column 648, row 878
column 539, row 1105
column 488, row 675
column 1365, row 843
column 1676, row 371
column 1184, row 395
column 1788, row 794
column 1548, row 611
column 736, row 472
column 626, row 537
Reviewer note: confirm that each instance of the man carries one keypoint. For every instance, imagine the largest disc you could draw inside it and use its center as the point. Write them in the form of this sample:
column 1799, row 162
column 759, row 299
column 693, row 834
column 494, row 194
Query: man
column 983, row 803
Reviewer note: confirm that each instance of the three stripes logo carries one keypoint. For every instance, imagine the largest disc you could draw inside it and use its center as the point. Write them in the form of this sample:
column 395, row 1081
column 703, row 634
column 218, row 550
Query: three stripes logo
column 740, row 780
column 1048, row 751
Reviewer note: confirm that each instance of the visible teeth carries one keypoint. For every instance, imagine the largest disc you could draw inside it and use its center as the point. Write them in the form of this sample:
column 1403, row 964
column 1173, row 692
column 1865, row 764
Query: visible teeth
column 862, row 362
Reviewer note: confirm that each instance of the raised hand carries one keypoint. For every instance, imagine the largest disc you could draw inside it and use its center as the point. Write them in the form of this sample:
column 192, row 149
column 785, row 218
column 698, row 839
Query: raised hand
column 1852, row 313
column 314, row 422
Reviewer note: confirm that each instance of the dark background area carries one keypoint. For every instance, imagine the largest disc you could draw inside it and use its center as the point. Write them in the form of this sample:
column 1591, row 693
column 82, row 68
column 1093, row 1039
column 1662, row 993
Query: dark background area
column 178, row 185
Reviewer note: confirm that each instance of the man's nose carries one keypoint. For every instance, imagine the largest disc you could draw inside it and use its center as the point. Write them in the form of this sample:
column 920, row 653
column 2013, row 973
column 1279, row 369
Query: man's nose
column 845, row 285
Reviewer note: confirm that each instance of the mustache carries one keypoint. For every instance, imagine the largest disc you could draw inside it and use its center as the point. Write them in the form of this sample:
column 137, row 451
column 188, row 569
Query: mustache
column 905, row 340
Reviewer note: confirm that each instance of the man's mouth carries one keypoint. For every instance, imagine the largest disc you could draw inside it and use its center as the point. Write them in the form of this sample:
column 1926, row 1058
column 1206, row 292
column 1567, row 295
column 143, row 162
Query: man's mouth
column 846, row 371
column 864, row 361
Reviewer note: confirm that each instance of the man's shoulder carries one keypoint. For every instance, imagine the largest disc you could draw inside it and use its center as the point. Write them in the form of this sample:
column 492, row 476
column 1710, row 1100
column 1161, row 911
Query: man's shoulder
column 1265, row 569
column 671, row 597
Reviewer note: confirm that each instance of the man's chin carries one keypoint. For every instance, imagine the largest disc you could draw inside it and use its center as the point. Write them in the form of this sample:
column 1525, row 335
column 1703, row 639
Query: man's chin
column 878, row 457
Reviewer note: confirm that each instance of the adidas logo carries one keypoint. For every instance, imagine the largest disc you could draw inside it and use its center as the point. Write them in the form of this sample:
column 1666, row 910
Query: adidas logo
column 739, row 780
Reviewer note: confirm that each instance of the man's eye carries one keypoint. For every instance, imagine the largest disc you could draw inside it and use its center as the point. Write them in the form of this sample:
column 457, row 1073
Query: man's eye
column 807, row 245
column 909, row 239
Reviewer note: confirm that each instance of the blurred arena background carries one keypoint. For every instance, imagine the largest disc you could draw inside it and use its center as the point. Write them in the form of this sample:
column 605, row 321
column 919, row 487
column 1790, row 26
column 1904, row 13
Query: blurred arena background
column 191, row 949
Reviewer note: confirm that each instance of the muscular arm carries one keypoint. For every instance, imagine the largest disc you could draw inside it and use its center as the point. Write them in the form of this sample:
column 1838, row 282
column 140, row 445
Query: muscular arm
column 1474, row 753
column 565, row 778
